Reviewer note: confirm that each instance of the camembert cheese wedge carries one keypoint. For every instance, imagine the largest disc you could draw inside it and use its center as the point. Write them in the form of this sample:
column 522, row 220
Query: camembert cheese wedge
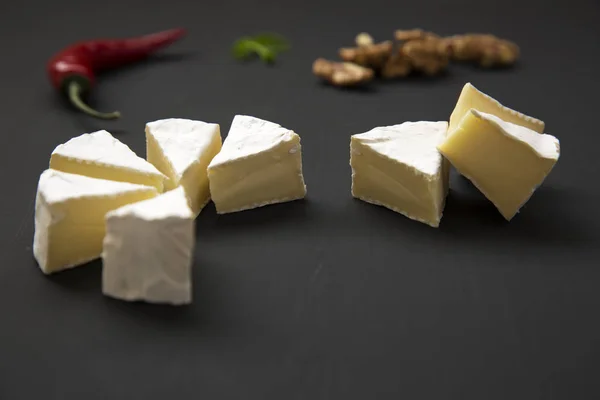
column 148, row 250
column 182, row 149
column 399, row 167
column 100, row 155
column 260, row 163
column 470, row 97
column 505, row 161
column 69, row 216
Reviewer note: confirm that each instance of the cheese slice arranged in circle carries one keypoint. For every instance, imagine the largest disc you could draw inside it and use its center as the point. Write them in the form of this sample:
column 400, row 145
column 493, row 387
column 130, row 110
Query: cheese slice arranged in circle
column 470, row 97
column 400, row 168
column 100, row 155
column 69, row 216
column 260, row 164
column 182, row 149
column 505, row 161
column 148, row 250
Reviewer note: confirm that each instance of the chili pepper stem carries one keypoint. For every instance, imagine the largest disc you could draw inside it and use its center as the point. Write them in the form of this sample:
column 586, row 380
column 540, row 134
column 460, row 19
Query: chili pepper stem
column 75, row 90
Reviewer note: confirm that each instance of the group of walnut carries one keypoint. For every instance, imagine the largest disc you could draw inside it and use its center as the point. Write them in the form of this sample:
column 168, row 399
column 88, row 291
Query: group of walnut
column 413, row 51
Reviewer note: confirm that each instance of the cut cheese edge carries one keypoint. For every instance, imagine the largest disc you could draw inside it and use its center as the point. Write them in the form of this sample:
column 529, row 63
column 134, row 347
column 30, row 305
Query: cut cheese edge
column 148, row 250
column 471, row 97
column 260, row 163
column 505, row 161
column 69, row 216
column 182, row 149
column 400, row 168
column 100, row 155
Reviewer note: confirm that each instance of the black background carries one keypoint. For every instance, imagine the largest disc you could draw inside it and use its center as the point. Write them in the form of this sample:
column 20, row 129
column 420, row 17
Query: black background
column 328, row 298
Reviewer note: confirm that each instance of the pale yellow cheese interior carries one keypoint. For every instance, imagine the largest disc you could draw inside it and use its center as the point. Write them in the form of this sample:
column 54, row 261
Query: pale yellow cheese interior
column 194, row 180
column 470, row 97
column 102, row 171
column 155, row 156
column 73, row 230
column 268, row 177
column 380, row 180
column 506, row 170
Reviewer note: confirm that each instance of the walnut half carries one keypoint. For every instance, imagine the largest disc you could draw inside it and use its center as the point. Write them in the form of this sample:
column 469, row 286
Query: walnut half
column 342, row 73
column 486, row 50
column 418, row 51
column 368, row 55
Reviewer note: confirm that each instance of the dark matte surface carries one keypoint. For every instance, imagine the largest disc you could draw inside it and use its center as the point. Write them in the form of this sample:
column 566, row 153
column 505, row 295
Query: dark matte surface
column 329, row 298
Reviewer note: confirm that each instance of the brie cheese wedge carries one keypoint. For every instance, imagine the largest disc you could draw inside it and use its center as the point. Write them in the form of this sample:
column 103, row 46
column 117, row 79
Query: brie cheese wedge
column 470, row 97
column 399, row 167
column 505, row 161
column 260, row 164
column 100, row 155
column 181, row 149
column 69, row 216
column 148, row 250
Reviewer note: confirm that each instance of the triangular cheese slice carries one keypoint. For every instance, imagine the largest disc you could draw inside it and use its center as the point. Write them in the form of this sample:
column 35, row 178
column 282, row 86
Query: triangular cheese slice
column 505, row 161
column 260, row 163
column 148, row 250
column 399, row 167
column 100, row 155
column 69, row 216
column 470, row 97
column 182, row 149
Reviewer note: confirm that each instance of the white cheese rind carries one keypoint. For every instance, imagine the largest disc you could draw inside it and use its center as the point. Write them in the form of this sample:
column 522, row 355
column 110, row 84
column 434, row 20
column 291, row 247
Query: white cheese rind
column 148, row 250
column 410, row 143
column 250, row 136
column 171, row 204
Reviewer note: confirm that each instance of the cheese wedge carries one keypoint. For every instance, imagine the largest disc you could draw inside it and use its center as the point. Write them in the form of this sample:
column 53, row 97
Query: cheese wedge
column 470, row 97
column 148, row 250
column 181, row 149
column 100, row 155
column 505, row 161
column 399, row 167
column 260, row 164
column 69, row 216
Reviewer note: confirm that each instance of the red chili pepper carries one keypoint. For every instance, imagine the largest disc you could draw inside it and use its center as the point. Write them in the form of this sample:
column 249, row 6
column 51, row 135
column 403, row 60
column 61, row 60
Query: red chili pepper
column 72, row 70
